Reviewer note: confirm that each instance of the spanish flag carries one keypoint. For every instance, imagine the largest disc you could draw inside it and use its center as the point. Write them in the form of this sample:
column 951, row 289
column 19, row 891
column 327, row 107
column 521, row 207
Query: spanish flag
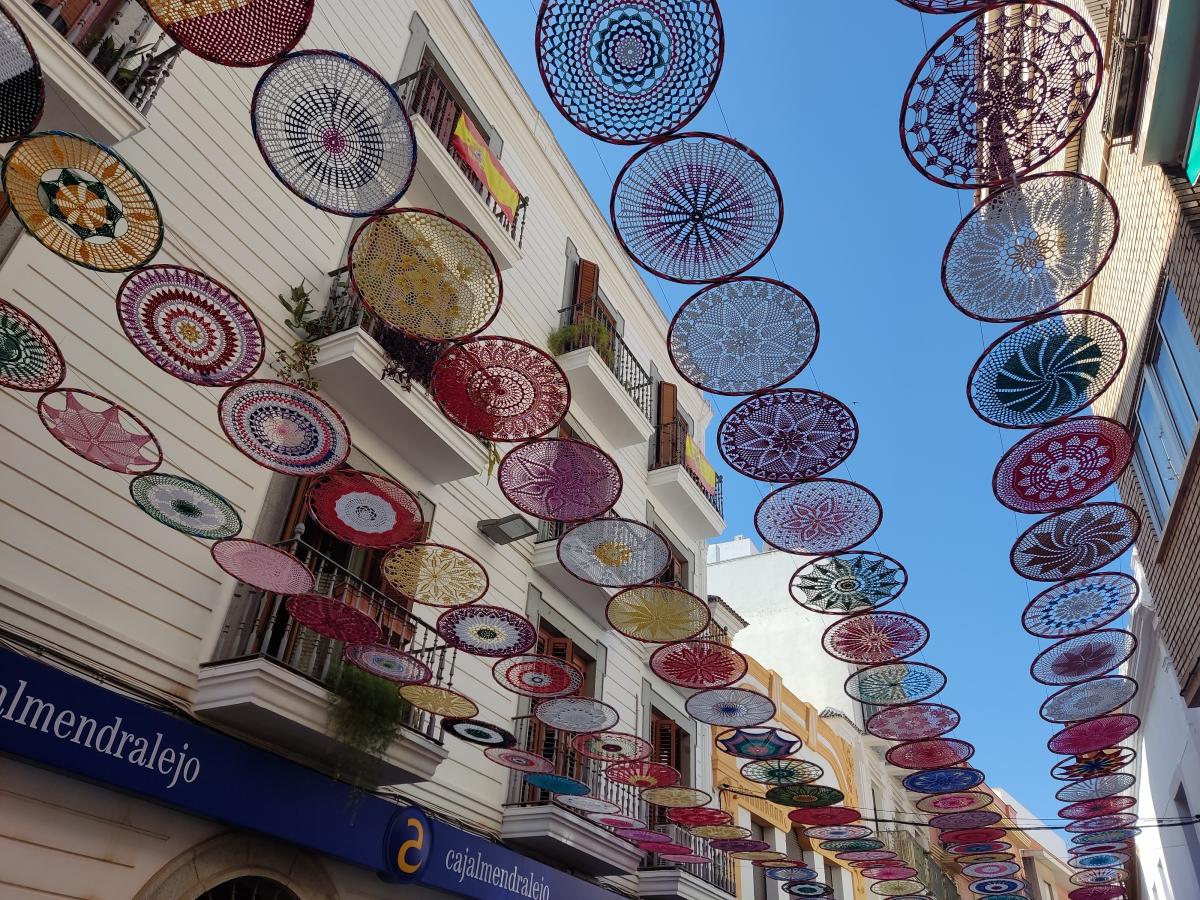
column 475, row 153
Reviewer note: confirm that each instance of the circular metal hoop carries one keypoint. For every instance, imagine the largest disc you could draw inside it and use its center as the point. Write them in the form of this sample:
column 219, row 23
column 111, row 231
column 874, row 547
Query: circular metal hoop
column 486, row 630
column 1084, row 657
column 759, row 743
column 1090, row 735
column 365, row 509
column 935, row 753
column 557, row 784
column 334, row 132
column 592, row 805
column 830, row 815
column 22, row 88
column 848, row 583
column 698, row 665
column 1088, row 699
column 560, row 480
column 190, row 326
column 1046, row 369
column 263, row 566
column 876, row 637
column 1109, row 761
column 914, row 722
column 787, row 435
column 29, row 357
column 388, row 663
column 440, row 701
column 696, row 207
column 614, row 552
column 333, row 619
column 1095, row 787
column 808, row 796
column 691, row 816
column 895, row 684
column 520, row 760
column 676, row 797
column 963, row 801
column 240, row 33
column 642, row 773
column 576, row 714
column 820, row 517
column 730, row 707
column 482, row 734
column 979, row 818
column 1000, row 94
column 425, row 274
column 284, row 428
column 435, row 575
column 630, row 71
column 782, row 771
column 658, row 614
column 81, row 200
column 612, row 746
column 1030, row 247
column 943, row 781
column 1062, row 465
column 104, row 433
column 1073, row 543
column 536, row 675
column 185, row 505
column 743, row 336
column 1105, row 806
column 1080, row 604
column 500, row 389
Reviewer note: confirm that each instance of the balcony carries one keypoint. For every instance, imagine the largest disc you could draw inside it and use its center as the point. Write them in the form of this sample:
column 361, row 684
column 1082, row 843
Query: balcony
column 533, row 820
column 103, row 63
column 683, row 482
column 658, row 878
column 379, row 377
column 444, row 181
column 607, row 382
column 268, row 674
column 591, row 598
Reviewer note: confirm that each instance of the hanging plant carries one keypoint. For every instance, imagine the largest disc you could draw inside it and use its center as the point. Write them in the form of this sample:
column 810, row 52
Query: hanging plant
column 366, row 718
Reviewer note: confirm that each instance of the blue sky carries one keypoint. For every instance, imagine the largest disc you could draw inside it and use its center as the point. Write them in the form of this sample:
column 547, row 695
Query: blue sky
column 817, row 92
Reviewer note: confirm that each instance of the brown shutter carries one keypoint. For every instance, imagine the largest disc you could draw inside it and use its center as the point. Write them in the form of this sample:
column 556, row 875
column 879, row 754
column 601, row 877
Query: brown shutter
column 668, row 417
column 665, row 737
column 587, row 287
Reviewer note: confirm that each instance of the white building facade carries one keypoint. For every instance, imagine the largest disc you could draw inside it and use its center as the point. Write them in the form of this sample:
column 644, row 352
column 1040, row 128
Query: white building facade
column 108, row 617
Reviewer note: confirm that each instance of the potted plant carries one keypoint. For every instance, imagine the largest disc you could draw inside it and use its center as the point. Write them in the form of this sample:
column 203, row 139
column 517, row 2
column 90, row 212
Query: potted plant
column 585, row 332
column 365, row 718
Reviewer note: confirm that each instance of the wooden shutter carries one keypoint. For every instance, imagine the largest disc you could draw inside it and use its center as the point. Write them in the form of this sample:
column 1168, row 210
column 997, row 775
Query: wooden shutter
column 587, row 287
column 668, row 419
column 665, row 737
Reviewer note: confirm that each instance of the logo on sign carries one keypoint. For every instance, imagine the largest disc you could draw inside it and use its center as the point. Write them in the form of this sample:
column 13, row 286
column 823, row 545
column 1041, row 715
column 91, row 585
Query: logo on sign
column 407, row 845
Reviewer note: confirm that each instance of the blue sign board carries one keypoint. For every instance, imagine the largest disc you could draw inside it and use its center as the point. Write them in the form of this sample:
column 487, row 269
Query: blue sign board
column 53, row 718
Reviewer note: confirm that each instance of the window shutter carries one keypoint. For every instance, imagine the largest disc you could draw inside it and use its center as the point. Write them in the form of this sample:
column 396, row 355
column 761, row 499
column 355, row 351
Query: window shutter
column 668, row 418
column 666, row 742
column 587, row 287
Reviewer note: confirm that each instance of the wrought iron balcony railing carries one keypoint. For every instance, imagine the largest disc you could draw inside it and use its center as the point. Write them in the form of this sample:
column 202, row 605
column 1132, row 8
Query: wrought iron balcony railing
column 670, row 446
column 135, row 65
column 582, row 329
column 258, row 627
column 426, row 94
column 555, row 746
column 937, row 883
column 411, row 359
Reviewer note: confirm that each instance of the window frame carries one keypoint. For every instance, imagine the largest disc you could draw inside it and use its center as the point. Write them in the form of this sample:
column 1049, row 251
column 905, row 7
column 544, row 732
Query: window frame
column 1156, row 488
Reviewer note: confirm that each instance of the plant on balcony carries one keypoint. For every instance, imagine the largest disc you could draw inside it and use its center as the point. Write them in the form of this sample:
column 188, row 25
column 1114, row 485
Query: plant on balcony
column 410, row 359
column 294, row 364
column 586, row 332
column 365, row 719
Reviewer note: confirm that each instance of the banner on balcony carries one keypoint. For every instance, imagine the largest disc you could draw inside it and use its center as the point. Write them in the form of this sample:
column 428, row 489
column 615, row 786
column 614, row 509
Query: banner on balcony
column 695, row 463
column 474, row 151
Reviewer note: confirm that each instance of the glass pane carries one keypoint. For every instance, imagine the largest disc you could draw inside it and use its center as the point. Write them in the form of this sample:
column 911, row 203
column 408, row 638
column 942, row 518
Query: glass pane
column 1152, row 463
column 1161, row 439
column 1178, row 365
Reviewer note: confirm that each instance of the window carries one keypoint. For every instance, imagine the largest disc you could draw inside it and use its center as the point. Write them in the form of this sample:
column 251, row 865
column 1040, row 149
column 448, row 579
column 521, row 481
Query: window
column 550, row 743
column 1168, row 407
column 671, row 745
column 677, row 572
column 758, row 874
column 248, row 887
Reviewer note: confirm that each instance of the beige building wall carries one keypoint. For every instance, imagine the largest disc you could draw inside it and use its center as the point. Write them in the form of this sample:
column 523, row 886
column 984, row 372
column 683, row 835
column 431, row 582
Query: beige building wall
column 82, row 569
